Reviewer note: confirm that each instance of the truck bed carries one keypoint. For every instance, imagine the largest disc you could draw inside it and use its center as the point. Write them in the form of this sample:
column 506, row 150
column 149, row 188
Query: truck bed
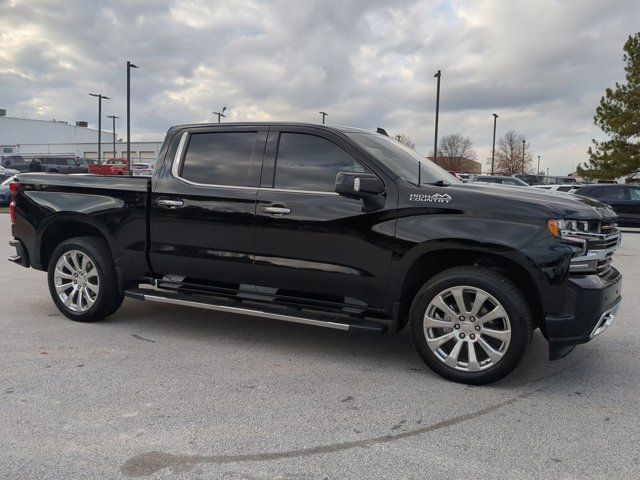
column 115, row 207
column 119, row 182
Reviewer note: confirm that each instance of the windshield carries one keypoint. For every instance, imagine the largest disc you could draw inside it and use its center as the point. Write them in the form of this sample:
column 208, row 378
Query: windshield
column 8, row 180
column 402, row 160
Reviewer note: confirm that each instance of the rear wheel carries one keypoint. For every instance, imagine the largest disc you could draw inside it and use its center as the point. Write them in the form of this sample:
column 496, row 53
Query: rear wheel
column 471, row 325
column 82, row 279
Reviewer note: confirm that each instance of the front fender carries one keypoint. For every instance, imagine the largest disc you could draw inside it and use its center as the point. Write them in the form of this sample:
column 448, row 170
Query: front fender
column 523, row 243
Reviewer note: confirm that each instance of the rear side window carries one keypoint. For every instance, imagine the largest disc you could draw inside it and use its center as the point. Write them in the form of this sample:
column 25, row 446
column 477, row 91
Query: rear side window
column 220, row 158
column 634, row 193
column 308, row 162
column 615, row 193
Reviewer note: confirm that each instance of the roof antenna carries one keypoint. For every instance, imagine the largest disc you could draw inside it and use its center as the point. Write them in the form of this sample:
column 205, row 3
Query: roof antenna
column 419, row 170
column 382, row 131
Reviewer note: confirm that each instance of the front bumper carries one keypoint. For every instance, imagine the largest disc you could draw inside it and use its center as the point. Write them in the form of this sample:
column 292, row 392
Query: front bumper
column 594, row 301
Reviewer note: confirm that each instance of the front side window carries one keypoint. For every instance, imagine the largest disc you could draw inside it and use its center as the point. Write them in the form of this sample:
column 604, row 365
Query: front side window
column 219, row 158
column 309, row 162
column 634, row 192
column 590, row 192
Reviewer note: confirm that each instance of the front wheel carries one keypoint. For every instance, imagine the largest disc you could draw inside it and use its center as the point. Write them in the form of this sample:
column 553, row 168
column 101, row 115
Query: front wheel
column 82, row 279
column 471, row 325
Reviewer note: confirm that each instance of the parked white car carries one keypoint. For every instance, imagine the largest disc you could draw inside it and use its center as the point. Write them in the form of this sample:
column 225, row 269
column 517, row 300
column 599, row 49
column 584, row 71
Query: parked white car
column 142, row 169
column 557, row 188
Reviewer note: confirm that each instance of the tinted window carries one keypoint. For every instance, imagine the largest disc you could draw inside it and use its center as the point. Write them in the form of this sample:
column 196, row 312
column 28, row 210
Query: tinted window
column 307, row 162
column 220, row 158
column 565, row 189
column 590, row 192
column 615, row 193
column 634, row 192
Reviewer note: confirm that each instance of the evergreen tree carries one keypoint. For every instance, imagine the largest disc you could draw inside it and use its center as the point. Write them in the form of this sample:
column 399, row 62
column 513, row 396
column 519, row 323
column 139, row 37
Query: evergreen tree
column 618, row 115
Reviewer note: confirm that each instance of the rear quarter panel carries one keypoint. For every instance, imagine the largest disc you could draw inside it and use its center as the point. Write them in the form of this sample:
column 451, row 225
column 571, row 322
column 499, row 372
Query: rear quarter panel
column 115, row 206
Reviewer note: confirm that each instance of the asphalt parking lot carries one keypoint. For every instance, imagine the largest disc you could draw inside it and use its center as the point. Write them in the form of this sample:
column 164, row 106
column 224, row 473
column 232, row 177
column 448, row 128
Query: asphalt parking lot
column 170, row 392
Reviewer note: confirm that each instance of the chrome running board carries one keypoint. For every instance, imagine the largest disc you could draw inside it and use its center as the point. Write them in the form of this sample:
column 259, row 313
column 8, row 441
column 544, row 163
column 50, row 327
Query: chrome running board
column 158, row 296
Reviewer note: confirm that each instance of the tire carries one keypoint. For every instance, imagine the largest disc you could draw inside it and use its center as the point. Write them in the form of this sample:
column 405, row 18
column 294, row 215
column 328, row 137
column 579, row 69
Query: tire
column 448, row 341
column 96, row 294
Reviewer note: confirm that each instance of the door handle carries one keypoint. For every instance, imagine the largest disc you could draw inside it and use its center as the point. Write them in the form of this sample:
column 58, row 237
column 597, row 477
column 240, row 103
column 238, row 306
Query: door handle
column 277, row 210
column 165, row 202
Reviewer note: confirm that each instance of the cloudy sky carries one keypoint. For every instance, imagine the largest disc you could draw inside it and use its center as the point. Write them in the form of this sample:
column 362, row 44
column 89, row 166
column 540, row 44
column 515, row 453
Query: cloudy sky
column 541, row 65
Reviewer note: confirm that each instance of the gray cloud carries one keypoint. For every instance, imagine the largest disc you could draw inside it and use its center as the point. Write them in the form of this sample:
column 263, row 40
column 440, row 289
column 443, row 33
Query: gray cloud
column 541, row 65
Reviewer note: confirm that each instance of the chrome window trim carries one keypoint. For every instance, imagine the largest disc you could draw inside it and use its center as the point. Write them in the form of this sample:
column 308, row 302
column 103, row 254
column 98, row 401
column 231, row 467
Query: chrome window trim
column 178, row 160
column 288, row 190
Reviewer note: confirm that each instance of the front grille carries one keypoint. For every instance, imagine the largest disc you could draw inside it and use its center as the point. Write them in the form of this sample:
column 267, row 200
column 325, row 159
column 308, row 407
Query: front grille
column 601, row 241
column 609, row 241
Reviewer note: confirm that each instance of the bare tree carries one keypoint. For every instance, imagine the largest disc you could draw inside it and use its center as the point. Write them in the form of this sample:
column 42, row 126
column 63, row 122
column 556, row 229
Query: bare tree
column 455, row 151
column 406, row 139
column 509, row 154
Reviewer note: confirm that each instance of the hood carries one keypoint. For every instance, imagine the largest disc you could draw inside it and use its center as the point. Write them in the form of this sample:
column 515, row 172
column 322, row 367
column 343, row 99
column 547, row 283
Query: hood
column 513, row 200
column 566, row 205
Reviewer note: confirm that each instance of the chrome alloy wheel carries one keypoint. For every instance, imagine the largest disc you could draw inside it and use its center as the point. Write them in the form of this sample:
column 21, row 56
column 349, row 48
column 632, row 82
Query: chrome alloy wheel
column 76, row 281
column 467, row 328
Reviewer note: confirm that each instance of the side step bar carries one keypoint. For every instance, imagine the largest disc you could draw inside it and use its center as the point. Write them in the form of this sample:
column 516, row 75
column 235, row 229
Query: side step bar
column 158, row 296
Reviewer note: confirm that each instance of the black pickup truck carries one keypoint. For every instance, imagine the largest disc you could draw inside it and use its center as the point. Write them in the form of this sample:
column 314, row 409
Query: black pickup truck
column 334, row 227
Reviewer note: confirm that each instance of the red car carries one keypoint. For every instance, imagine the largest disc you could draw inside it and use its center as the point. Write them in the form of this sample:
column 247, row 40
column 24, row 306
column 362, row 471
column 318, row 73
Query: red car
column 113, row 166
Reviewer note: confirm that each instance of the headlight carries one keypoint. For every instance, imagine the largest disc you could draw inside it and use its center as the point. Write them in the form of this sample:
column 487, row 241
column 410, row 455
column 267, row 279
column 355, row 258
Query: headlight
column 570, row 230
column 563, row 228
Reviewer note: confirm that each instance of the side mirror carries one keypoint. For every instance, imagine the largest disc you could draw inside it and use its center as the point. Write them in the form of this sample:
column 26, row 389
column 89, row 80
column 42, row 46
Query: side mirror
column 358, row 185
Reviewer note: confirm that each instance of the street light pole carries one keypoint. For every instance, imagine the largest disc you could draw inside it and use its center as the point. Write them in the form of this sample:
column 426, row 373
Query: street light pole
column 493, row 150
column 100, row 97
column 324, row 114
column 129, row 67
column 220, row 114
column 435, row 142
column 113, row 117
column 523, row 147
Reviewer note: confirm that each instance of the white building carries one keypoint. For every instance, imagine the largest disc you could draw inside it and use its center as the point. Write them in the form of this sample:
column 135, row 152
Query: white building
column 28, row 138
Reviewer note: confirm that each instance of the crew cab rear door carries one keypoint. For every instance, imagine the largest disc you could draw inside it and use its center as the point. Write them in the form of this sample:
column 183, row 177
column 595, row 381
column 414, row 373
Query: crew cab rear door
column 313, row 245
column 202, row 211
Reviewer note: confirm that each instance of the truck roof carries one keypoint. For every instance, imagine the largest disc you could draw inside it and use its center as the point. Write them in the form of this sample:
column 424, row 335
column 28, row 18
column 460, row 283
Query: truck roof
column 340, row 128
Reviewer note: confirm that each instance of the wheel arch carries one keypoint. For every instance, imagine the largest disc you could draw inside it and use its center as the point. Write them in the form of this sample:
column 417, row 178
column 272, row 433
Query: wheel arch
column 64, row 227
column 427, row 264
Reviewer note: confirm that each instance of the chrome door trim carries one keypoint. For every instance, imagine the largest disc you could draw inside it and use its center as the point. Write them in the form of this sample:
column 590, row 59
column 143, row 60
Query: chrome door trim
column 165, row 202
column 277, row 210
